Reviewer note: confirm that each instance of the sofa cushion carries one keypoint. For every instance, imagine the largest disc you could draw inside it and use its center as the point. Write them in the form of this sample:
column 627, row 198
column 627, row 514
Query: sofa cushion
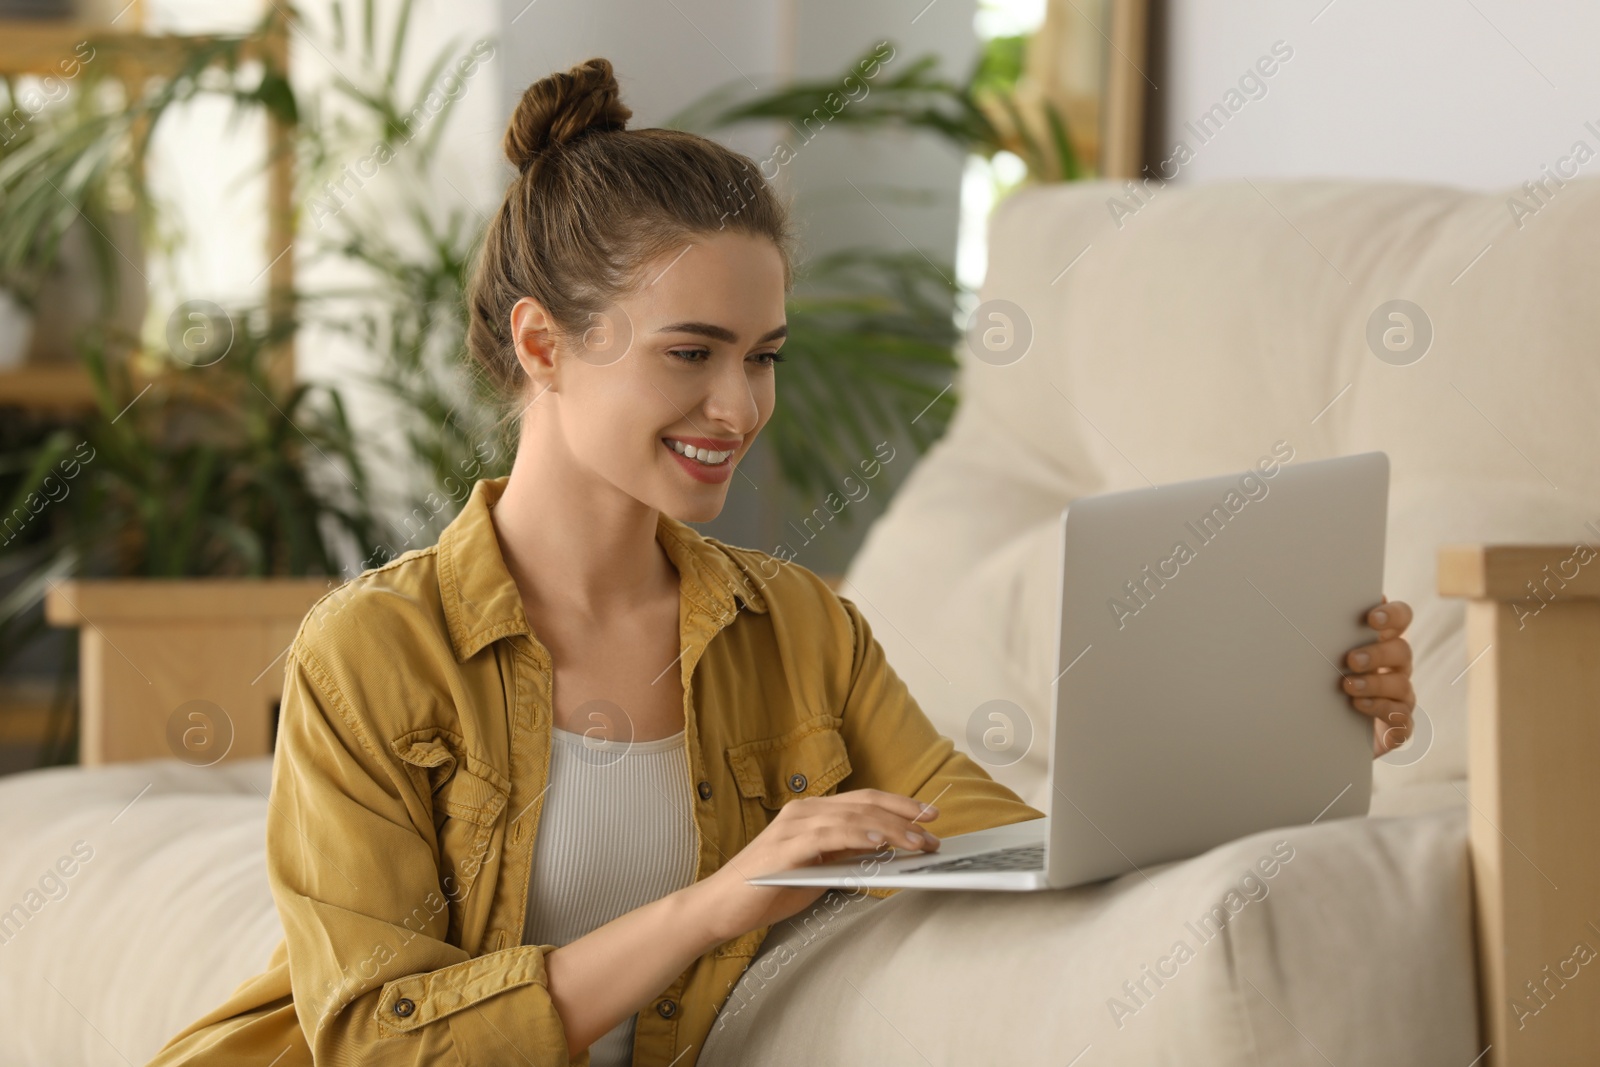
column 166, row 908
column 1347, row 942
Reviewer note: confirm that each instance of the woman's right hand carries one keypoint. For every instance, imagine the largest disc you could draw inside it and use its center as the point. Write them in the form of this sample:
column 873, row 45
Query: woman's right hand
column 807, row 831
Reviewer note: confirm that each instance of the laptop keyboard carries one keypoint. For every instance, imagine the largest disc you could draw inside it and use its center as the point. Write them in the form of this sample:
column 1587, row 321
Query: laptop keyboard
column 1015, row 858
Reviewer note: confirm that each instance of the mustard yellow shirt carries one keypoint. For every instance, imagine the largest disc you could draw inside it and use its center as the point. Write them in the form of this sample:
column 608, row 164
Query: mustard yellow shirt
column 412, row 753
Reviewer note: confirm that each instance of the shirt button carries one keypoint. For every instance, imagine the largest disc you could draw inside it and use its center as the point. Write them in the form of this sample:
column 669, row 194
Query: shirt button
column 666, row 1009
column 516, row 832
column 797, row 782
column 404, row 1007
column 705, row 790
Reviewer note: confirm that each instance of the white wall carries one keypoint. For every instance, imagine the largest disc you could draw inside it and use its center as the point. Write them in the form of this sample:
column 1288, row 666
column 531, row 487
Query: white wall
column 665, row 54
column 208, row 167
column 1476, row 93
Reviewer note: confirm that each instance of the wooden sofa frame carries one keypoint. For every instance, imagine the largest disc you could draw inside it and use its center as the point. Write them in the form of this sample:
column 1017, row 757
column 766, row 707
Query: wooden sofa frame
column 1533, row 645
column 1533, row 637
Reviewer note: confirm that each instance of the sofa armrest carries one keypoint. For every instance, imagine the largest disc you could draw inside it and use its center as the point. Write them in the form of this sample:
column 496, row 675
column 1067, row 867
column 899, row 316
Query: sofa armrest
column 1533, row 645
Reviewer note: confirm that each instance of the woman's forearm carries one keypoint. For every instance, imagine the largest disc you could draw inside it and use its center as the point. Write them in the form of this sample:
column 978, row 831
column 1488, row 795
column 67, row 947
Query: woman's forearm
column 611, row 972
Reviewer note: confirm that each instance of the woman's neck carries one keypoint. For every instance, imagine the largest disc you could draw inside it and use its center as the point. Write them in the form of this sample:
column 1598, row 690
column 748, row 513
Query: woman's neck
column 574, row 546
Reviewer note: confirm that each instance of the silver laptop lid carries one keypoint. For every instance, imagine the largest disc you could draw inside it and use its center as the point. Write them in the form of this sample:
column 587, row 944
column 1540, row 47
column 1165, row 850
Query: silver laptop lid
column 1202, row 640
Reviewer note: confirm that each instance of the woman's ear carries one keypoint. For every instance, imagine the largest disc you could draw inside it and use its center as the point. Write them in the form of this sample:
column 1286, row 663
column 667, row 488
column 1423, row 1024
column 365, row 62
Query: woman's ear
column 533, row 336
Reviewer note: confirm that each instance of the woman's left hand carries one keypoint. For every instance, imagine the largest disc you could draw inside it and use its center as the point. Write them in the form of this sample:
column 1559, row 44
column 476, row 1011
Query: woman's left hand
column 1380, row 680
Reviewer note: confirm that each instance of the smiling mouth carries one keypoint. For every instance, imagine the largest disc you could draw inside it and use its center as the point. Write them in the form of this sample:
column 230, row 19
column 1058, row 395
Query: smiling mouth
column 704, row 456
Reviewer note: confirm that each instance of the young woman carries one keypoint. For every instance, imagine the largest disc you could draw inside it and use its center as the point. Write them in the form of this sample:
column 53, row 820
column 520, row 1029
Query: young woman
column 522, row 775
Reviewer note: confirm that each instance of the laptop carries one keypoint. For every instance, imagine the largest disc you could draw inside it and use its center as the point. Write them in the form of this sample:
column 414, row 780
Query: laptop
column 1197, row 698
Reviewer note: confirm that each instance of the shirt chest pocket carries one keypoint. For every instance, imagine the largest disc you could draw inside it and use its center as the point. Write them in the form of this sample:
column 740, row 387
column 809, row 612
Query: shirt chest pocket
column 807, row 761
column 467, row 802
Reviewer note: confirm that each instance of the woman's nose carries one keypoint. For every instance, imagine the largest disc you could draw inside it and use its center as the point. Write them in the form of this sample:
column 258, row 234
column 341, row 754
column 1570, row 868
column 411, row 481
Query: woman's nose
column 731, row 401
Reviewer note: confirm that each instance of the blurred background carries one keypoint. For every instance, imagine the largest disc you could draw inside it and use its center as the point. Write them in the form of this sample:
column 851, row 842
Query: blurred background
column 233, row 235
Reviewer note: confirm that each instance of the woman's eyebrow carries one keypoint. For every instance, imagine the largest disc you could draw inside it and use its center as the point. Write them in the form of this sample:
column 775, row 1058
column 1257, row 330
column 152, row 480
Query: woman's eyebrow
column 721, row 333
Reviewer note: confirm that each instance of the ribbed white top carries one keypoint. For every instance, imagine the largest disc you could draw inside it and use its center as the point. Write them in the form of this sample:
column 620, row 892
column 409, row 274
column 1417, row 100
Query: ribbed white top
column 616, row 832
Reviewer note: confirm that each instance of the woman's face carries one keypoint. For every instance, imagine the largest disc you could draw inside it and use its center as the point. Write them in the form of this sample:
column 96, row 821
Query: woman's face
column 665, row 391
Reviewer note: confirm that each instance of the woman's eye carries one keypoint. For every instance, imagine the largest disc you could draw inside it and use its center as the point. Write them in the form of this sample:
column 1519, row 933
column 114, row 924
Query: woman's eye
column 769, row 358
column 692, row 355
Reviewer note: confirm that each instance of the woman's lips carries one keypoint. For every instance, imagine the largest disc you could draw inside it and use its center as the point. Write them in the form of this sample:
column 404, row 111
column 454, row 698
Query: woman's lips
column 710, row 473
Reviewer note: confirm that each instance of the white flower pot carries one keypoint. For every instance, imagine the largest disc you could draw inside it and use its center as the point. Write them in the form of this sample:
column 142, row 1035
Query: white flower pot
column 16, row 330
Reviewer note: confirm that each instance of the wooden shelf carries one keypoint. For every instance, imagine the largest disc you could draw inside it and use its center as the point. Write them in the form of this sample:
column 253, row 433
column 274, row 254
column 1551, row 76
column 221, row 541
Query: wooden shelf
column 41, row 47
column 25, row 710
column 60, row 388
column 67, row 388
column 38, row 46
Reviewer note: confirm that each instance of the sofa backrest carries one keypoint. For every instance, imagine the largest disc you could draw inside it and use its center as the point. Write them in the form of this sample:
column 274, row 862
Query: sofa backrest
column 1181, row 332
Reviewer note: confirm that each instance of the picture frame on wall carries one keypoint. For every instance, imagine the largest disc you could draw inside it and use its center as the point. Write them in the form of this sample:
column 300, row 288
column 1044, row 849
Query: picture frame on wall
column 1088, row 63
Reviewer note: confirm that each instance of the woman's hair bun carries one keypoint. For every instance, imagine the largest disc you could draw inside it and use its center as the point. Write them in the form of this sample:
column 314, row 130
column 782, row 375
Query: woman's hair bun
column 563, row 107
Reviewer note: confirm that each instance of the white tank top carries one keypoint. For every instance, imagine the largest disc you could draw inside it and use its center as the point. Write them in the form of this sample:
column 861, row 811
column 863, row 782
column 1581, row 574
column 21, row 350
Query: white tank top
column 617, row 832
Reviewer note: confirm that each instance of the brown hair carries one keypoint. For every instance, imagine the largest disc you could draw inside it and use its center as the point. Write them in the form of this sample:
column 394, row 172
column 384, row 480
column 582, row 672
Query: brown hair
column 592, row 203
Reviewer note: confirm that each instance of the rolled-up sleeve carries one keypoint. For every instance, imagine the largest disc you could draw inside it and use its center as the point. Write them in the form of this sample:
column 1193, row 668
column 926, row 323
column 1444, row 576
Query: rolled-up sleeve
column 894, row 747
column 353, row 866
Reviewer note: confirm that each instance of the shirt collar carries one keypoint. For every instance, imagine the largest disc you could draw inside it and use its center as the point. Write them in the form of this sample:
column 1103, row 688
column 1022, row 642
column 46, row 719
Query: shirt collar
column 482, row 602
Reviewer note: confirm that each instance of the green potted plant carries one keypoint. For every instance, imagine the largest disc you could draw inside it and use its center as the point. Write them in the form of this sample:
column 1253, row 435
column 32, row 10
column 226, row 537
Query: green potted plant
column 18, row 287
column 213, row 469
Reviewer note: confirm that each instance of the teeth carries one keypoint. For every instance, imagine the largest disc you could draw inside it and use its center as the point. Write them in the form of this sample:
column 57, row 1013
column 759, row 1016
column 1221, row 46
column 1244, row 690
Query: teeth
column 699, row 455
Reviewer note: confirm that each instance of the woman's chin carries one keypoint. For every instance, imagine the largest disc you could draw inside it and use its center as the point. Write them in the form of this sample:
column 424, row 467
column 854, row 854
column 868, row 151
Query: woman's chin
column 688, row 498
column 701, row 509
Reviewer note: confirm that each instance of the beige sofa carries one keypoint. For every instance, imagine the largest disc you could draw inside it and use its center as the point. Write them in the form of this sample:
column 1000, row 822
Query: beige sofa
column 1164, row 334
column 1212, row 323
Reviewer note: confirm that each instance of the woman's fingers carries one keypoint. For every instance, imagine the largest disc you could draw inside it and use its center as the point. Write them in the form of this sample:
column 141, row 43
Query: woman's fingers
column 1386, row 696
column 875, row 832
column 909, row 807
column 873, row 803
column 1393, row 653
column 873, row 825
column 822, row 840
column 1396, row 686
column 848, row 820
column 1390, row 618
